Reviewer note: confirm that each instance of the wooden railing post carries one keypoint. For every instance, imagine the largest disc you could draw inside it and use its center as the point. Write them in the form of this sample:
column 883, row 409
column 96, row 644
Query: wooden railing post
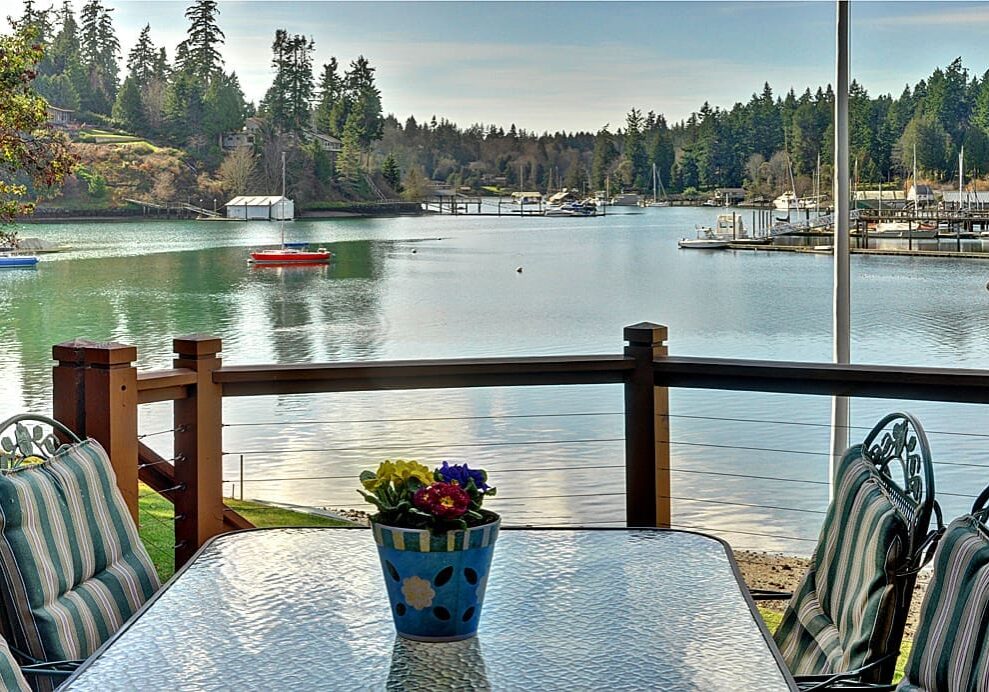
column 647, row 430
column 198, row 447
column 69, row 384
column 110, row 414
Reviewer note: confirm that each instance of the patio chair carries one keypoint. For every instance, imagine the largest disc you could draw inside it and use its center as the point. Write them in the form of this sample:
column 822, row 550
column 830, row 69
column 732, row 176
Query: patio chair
column 72, row 566
column 11, row 678
column 951, row 648
column 848, row 614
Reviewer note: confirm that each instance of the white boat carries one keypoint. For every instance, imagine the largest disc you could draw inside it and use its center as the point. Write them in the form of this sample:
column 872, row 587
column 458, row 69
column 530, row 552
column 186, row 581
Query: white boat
column 903, row 229
column 527, row 198
column 789, row 201
column 585, row 208
column 706, row 239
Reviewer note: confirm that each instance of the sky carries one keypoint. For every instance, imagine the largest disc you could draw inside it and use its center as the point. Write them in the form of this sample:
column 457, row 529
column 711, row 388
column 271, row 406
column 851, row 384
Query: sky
column 569, row 66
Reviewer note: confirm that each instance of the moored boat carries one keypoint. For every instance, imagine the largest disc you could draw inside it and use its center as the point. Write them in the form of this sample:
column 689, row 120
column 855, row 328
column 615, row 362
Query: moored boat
column 10, row 261
column 706, row 239
column 290, row 255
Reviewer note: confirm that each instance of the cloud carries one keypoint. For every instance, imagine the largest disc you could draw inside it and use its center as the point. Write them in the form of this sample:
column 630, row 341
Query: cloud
column 961, row 18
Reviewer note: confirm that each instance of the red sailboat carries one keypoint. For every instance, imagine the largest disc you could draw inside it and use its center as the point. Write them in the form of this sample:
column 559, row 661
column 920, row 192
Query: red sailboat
column 295, row 253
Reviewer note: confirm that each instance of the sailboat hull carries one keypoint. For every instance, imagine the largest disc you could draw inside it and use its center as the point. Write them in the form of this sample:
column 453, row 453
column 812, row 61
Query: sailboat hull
column 289, row 256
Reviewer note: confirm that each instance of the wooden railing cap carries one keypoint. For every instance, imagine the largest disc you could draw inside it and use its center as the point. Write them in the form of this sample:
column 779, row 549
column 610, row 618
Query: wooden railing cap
column 71, row 351
column 197, row 345
column 110, row 353
column 645, row 333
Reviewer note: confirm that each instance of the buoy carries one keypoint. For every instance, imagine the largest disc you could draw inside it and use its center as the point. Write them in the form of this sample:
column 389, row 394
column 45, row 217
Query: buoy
column 519, row 270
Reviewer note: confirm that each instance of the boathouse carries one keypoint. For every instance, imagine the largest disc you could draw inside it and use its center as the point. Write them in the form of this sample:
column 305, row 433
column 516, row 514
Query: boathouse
column 261, row 208
column 921, row 195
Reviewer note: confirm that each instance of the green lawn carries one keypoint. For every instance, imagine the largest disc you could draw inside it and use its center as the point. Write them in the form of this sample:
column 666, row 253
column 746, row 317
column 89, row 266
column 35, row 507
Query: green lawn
column 772, row 620
column 158, row 533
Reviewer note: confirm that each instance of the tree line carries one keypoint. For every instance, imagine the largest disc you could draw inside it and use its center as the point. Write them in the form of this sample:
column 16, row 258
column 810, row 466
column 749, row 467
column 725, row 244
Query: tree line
column 762, row 144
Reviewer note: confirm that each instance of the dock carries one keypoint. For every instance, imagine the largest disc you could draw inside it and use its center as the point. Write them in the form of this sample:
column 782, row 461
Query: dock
column 828, row 250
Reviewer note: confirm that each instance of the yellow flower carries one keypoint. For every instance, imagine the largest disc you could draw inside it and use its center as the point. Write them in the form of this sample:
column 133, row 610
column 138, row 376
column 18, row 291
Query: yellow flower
column 396, row 473
column 381, row 477
column 407, row 470
column 418, row 592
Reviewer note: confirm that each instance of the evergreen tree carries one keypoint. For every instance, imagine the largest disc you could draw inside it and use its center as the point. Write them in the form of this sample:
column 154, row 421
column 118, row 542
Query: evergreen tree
column 635, row 151
column 199, row 53
column 142, row 58
column 128, row 109
column 604, row 154
column 99, row 49
column 349, row 160
column 224, row 109
column 391, row 172
column 64, row 48
column 330, row 92
column 365, row 99
column 286, row 103
column 183, row 110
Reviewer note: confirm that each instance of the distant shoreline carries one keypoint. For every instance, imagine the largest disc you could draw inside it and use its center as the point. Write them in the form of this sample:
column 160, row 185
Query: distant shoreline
column 125, row 214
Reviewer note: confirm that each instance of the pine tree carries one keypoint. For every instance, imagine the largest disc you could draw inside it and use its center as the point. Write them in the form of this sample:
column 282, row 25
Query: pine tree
column 128, row 110
column 330, row 92
column 604, row 154
column 99, row 48
column 142, row 58
column 65, row 46
column 391, row 172
column 286, row 103
column 199, row 52
column 349, row 160
column 224, row 109
column 635, row 151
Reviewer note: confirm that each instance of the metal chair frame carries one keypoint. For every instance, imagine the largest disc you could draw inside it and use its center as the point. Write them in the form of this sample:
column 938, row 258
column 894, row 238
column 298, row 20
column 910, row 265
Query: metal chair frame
column 897, row 441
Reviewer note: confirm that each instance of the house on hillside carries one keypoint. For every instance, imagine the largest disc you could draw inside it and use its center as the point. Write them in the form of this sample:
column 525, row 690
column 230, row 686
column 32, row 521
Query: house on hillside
column 236, row 140
column 60, row 117
column 261, row 208
column 327, row 143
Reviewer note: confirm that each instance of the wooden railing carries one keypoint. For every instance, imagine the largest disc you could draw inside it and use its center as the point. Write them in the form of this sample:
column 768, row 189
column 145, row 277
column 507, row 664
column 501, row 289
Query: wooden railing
column 97, row 390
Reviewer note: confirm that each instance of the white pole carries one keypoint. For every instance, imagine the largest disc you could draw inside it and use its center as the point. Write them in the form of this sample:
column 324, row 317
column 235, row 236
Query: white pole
column 841, row 326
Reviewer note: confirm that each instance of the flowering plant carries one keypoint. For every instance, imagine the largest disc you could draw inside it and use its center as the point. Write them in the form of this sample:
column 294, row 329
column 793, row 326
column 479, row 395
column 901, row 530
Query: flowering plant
column 410, row 495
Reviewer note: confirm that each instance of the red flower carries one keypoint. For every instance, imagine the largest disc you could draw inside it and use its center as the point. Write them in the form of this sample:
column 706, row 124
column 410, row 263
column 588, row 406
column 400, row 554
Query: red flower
column 442, row 500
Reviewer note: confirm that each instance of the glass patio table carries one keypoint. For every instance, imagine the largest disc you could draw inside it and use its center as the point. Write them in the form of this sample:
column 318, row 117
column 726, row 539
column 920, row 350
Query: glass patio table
column 306, row 609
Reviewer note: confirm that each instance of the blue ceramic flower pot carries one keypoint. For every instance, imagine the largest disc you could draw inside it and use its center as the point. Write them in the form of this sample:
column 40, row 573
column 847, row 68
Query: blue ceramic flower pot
column 436, row 582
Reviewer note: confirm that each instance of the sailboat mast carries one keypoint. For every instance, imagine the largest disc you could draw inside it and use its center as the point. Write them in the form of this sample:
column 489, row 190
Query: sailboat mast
column 916, row 193
column 961, row 175
column 281, row 203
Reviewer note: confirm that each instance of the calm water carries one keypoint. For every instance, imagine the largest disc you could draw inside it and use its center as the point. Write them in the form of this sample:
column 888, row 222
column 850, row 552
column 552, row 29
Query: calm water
column 448, row 287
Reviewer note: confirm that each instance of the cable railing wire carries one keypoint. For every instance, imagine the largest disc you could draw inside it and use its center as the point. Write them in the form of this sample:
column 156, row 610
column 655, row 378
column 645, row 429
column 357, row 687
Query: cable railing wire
column 729, row 419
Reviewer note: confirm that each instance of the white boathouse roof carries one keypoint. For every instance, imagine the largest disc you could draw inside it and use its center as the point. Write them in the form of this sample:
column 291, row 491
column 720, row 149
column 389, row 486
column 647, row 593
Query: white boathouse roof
column 257, row 201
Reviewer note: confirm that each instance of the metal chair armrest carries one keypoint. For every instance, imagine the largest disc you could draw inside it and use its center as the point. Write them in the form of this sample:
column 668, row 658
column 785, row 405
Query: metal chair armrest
column 844, row 681
column 769, row 595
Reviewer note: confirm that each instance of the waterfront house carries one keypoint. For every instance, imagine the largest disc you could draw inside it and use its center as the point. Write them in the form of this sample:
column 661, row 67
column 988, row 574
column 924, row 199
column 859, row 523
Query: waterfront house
column 59, row 117
column 261, row 208
column 726, row 196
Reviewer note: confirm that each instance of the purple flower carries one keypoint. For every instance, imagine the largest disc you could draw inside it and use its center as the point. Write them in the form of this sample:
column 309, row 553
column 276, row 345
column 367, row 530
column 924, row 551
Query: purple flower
column 463, row 475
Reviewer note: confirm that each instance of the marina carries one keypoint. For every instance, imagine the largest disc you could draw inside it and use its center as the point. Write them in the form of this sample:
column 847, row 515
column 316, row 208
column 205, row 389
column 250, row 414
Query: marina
column 443, row 286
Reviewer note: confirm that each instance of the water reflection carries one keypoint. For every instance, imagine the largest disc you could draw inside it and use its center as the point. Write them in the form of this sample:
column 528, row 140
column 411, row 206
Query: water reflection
column 556, row 452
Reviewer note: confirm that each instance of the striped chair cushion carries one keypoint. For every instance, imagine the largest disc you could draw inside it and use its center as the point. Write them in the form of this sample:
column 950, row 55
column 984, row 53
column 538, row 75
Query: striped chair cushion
column 842, row 614
column 10, row 673
column 951, row 649
column 73, row 566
